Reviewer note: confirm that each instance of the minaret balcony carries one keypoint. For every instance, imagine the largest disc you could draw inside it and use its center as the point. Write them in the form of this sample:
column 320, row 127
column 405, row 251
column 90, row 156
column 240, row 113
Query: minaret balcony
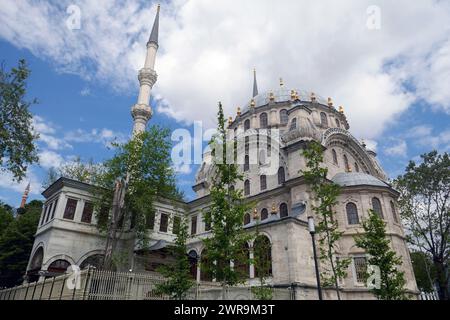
column 147, row 77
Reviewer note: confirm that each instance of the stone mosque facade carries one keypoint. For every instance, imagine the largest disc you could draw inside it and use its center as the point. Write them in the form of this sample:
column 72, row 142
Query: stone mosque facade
column 67, row 233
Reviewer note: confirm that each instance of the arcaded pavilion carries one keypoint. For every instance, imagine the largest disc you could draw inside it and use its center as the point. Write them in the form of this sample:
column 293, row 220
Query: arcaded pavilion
column 67, row 232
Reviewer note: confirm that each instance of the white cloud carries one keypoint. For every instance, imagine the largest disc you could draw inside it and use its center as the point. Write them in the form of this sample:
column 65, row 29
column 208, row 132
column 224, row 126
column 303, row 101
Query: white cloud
column 184, row 169
column 103, row 136
column 47, row 134
column 399, row 149
column 7, row 182
column 207, row 51
column 423, row 135
column 49, row 159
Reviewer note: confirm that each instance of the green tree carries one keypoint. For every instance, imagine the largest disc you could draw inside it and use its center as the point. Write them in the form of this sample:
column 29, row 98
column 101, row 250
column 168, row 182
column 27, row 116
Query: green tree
column 376, row 244
column 16, row 243
column 226, row 212
column 51, row 176
column 6, row 217
column 325, row 193
column 178, row 278
column 424, row 271
column 262, row 265
column 425, row 210
column 17, row 148
column 142, row 170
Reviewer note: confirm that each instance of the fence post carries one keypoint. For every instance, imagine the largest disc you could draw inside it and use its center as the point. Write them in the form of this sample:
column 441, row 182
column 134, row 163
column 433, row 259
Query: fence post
column 26, row 291
column 87, row 283
column 62, row 288
column 42, row 289
column 51, row 289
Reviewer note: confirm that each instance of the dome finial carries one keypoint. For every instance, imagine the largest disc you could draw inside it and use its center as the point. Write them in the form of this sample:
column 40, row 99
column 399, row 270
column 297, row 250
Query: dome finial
column 313, row 97
column 330, row 102
column 281, row 82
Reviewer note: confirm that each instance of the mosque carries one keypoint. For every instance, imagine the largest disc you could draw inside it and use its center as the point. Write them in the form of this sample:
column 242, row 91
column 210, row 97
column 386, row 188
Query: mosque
column 67, row 232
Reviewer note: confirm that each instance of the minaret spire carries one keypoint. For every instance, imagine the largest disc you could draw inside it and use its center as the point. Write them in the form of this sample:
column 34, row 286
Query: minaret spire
column 142, row 111
column 25, row 197
column 155, row 29
column 255, row 84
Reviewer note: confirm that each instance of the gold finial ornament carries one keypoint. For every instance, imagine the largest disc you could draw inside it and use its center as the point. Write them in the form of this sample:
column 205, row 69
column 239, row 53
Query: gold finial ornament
column 274, row 208
column 239, row 111
column 313, row 97
column 230, row 121
column 255, row 214
column 297, row 96
column 271, row 97
column 253, row 103
column 330, row 102
column 293, row 95
column 349, row 169
column 341, row 109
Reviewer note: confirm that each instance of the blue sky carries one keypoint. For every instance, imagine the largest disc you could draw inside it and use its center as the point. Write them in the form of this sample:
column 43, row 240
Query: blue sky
column 396, row 94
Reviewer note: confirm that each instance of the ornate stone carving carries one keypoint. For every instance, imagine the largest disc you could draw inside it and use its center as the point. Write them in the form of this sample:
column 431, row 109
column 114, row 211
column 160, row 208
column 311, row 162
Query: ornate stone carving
column 147, row 77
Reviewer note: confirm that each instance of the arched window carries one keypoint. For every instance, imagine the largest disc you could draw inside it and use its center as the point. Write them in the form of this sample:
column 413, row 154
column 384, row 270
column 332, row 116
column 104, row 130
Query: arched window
column 293, row 124
column 193, row 258
column 284, row 210
column 281, row 176
column 205, row 267
column 247, row 163
column 356, row 167
column 352, row 213
column 246, row 125
column 264, row 214
column 338, row 123
column 394, row 212
column 247, row 219
column 263, row 121
column 58, row 266
column 284, row 118
column 247, row 187
column 323, row 119
column 242, row 264
column 376, row 206
column 95, row 261
column 347, row 166
column 263, row 256
column 335, row 159
column 263, row 182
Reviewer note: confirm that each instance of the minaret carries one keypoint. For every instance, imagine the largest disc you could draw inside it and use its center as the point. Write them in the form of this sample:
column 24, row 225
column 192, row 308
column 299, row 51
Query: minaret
column 142, row 111
column 25, row 197
column 255, row 84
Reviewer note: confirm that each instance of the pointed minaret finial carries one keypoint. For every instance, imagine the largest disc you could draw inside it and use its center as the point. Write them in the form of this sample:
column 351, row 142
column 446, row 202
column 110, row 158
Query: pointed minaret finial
column 155, row 29
column 255, row 84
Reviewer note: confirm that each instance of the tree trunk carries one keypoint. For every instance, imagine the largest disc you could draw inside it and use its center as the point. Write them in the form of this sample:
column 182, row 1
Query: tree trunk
column 442, row 279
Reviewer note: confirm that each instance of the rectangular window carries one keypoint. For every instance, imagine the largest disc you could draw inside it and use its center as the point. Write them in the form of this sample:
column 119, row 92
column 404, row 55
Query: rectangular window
column 71, row 207
column 54, row 209
column 44, row 210
column 164, row 222
column 176, row 225
column 207, row 226
column 360, row 264
column 49, row 210
column 194, row 225
column 87, row 212
column 150, row 223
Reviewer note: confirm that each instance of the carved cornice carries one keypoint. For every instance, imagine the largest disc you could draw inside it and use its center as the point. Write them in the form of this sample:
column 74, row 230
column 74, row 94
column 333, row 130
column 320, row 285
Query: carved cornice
column 147, row 77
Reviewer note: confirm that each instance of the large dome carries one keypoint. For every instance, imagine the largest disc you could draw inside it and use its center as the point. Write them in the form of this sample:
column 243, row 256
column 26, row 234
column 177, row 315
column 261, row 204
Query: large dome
column 348, row 179
column 282, row 95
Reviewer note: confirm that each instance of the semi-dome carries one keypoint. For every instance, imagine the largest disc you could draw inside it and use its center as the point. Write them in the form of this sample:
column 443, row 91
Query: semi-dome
column 302, row 128
column 348, row 179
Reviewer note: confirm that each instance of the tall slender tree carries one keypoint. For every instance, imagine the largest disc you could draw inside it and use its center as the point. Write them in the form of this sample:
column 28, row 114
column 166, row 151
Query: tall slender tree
column 17, row 136
column 333, row 267
column 226, row 212
column 129, row 183
column 376, row 244
column 178, row 279
column 425, row 211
